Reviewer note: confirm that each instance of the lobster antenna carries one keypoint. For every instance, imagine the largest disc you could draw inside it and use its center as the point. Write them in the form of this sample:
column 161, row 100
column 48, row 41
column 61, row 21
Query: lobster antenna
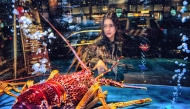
column 99, row 76
column 78, row 58
column 25, row 78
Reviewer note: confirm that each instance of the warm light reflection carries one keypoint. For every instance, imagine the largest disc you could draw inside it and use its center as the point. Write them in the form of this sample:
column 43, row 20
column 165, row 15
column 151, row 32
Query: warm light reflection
column 145, row 11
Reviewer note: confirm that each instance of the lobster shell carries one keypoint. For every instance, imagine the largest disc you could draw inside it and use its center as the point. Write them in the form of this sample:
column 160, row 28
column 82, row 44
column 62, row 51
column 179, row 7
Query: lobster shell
column 62, row 89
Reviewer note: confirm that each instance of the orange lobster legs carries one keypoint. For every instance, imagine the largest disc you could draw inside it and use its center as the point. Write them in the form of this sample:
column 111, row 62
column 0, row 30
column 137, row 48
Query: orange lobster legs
column 94, row 91
column 5, row 87
column 125, row 104
column 28, row 84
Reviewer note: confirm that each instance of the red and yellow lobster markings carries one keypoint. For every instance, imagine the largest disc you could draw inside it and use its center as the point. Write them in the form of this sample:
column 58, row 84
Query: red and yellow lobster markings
column 69, row 91
column 79, row 90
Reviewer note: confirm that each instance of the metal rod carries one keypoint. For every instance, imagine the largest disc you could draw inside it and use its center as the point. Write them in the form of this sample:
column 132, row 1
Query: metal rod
column 23, row 49
column 15, row 48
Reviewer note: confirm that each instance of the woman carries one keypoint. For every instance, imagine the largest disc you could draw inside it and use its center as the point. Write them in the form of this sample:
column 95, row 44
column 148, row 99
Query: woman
column 108, row 47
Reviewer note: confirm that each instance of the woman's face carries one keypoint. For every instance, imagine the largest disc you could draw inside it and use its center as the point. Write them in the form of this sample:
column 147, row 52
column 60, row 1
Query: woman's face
column 109, row 29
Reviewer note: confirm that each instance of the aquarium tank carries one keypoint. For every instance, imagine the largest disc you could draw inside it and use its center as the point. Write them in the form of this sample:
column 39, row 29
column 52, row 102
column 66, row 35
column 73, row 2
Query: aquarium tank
column 44, row 46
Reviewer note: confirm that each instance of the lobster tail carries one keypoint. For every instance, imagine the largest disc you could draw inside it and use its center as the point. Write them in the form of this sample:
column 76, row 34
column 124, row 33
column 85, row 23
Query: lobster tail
column 45, row 95
column 31, row 99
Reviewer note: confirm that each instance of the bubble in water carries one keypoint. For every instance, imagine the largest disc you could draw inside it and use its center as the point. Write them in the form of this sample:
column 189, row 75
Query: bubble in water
column 177, row 71
column 185, row 3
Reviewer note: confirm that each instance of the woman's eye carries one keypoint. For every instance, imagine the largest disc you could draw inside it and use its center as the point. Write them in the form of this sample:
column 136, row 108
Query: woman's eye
column 111, row 25
column 105, row 26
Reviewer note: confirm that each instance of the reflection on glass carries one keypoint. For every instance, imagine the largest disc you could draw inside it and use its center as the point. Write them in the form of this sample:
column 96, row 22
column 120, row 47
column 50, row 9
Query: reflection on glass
column 156, row 43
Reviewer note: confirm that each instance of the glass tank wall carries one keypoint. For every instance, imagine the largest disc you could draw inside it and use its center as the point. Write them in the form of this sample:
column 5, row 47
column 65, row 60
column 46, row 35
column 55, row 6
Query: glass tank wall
column 39, row 38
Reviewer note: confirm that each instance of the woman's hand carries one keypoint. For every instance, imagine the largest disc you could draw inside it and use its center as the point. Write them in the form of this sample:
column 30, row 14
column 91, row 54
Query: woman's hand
column 101, row 66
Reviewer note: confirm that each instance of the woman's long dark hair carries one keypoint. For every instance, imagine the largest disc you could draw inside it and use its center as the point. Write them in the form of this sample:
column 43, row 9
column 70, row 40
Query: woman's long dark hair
column 112, row 15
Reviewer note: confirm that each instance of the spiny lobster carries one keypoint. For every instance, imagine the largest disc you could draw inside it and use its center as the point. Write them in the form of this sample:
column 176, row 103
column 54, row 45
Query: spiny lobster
column 79, row 90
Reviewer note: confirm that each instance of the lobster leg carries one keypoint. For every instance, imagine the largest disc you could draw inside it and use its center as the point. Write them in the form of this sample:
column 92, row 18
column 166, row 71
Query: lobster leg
column 94, row 89
column 7, row 91
column 102, row 99
column 133, row 102
column 75, row 59
column 53, row 74
column 16, row 89
column 6, row 87
column 95, row 101
column 28, row 84
column 125, row 104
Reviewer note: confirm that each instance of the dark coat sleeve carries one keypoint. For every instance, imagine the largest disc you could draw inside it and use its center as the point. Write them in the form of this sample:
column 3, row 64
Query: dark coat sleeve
column 91, row 55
